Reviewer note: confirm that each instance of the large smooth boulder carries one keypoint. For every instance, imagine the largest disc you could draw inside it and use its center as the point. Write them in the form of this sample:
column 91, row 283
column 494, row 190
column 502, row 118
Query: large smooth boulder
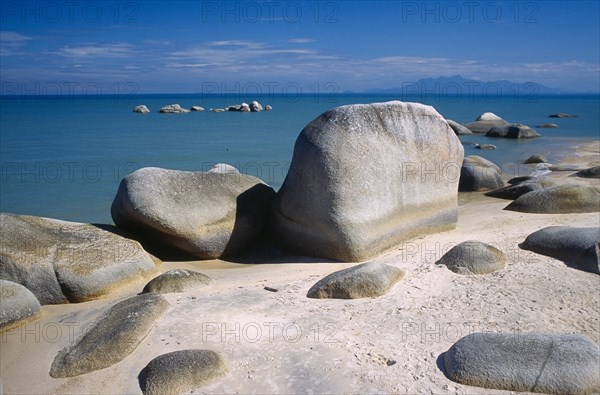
column 559, row 199
column 366, row 177
column 592, row 172
column 173, row 109
column 479, row 174
column 181, row 371
column 473, row 257
column 577, row 247
column 513, row 131
column 529, row 362
column 115, row 335
column 485, row 122
column 63, row 262
column 459, row 129
column 367, row 280
column 177, row 280
column 204, row 214
column 16, row 303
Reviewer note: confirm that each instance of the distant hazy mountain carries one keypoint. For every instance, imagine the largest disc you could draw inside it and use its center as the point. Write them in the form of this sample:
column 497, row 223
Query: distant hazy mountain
column 457, row 85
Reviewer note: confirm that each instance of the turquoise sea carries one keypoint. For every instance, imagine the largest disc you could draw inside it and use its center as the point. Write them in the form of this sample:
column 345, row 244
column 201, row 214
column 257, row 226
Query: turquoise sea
column 63, row 157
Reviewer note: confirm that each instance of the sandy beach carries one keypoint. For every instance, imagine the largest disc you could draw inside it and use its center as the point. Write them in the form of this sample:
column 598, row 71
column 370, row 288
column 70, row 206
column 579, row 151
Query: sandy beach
column 284, row 342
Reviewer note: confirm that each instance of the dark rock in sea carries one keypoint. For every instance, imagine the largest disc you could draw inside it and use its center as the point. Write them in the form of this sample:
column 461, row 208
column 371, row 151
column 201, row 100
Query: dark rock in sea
column 197, row 108
column 526, row 362
column 332, row 206
column 62, row 262
column 592, row 172
column 142, row 109
column 559, row 199
column 113, row 336
column 173, row 109
column 519, row 179
column 181, row 371
column 577, row 247
column 16, row 303
column 204, row 214
column 478, row 174
column 178, row 280
column 548, row 126
column 485, row 146
column 536, row 159
column 562, row 115
column 473, row 257
column 485, row 122
column 367, row 280
column 268, row 108
column 256, row 106
column 513, row 131
column 459, row 129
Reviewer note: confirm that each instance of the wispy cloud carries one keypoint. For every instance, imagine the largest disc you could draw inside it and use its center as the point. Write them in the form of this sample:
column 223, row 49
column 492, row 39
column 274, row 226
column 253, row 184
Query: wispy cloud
column 301, row 40
column 11, row 42
column 116, row 50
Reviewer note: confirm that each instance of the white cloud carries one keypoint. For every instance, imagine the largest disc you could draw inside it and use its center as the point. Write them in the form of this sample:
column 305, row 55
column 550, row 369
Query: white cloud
column 301, row 40
column 117, row 50
column 11, row 42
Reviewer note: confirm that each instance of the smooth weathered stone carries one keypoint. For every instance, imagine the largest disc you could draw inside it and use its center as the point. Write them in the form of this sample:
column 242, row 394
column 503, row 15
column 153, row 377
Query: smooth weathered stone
column 173, row 109
column 197, row 108
column 63, row 262
column 113, row 336
column 548, row 125
column 527, row 362
column 512, row 192
column 268, row 108
column 485, row 122
column 473, row 257
column 592, row 172
column 367, row 280
column 334, row 204
column 536, row 159
column 16, row 303
column 459, row 129
column 204, row 214
column 577, row 247
column 478, row 174
column 256, row 106
column 142, row 109
column 513, row 131
column 223, row 168
column 244, row 107
column 178, row 280
column 485, row 146
column 520, row 179
column 181, row 371
column 559, row 199
column 562, row 115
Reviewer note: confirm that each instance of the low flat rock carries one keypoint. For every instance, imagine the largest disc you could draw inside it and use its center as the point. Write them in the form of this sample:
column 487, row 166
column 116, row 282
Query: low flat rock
column 520, row 179
column 531, row 362
column 513, row 131
column 485, row 122
column 536, row 159
column 548, row 126
column 197, row 108
column 367, row 280
column 577, row 247
column 562, row 115
column 559, row 199
column 478, row 174
column 473, row 257
column 459, row 129
column 173, row 109
column 592, row 172
column 16, row 303
column 485, row 146
column 142, row 109
column 181, row 371
column 113, row 336
column 63, row 262
column 178, row 280
column 514, row 191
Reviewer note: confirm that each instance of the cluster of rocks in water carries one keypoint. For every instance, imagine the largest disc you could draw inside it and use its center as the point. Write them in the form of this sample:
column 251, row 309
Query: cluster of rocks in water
column 329, row 206
column 177, row 109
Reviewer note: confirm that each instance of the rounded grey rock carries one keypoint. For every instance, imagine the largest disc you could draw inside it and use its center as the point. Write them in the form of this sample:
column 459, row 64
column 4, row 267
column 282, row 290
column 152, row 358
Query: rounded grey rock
column 559, row 199
column 478, row 174
column 473, row 257
column 178, row 280
column 536, row 159
column 592, row 172
column 513, row 131
column 16, row 303
column 459, row 129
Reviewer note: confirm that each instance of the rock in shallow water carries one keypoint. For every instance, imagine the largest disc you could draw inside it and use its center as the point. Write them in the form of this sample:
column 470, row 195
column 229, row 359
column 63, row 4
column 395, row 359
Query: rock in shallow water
column 63, row 262
column 181, row 371
column 473, row 257
column 335, row 204
column 459, row 129
column 513, row 131
column 173, row 109
column 16, row 303
column 528, row 362
column 204, row 214
column 479, row 174
column 113, row 336
column 367, row 280
column 485, row 122
column 178, row 280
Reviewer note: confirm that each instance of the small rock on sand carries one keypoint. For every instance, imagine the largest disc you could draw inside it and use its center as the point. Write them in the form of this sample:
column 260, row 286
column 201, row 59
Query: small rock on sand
column 16, row 303
column 178, row 280
column 473, row 257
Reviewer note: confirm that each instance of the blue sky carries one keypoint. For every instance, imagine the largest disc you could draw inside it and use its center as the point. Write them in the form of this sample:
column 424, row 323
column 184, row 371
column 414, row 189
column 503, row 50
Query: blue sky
column 198, row 46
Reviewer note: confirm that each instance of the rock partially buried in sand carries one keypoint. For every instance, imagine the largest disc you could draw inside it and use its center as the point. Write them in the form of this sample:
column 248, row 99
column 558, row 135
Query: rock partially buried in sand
column 181, row 371
column 485, row 122
column 592, row 172
column 512, row 192
column 142, row 109
column 577, row 247
column 178, row 280
column 559, row 199
column 530, row 362
column 513, row 131
column 112, row 337
column 16, row 303
column 334, row 204
column 173, row 109
column 204, row 214
column 459, row 129
column 562, row 115
column 473, row 257
column 63, row 262
column 536, row 159
column 479, row 174
column 367, row 280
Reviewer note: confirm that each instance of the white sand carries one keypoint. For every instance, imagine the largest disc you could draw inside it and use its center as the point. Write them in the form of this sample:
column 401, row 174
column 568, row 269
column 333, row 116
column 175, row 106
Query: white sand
column 283, row 342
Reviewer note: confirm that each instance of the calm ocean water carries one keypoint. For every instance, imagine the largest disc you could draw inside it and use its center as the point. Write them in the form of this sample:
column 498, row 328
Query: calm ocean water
column 63, row 157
